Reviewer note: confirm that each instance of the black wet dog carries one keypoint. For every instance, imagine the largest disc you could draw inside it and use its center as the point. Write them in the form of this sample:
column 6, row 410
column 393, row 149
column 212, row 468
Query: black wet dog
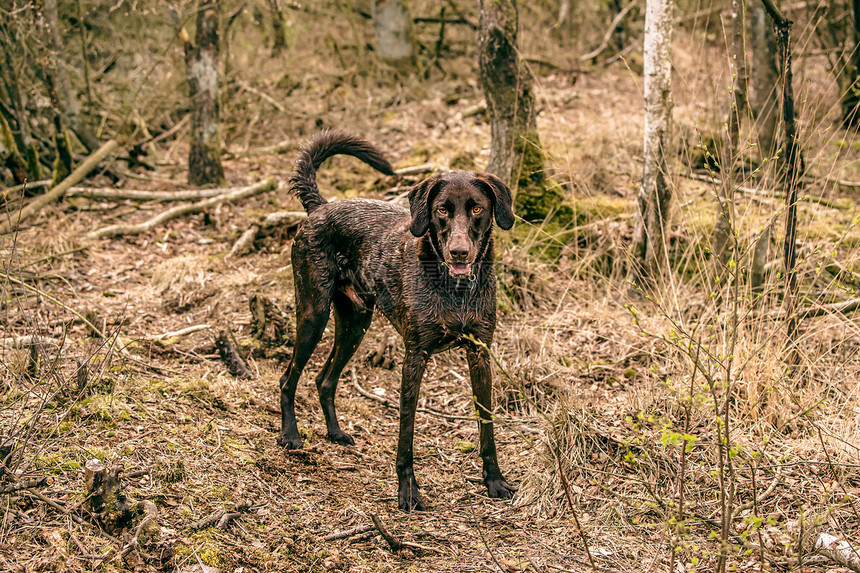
column 429, row 270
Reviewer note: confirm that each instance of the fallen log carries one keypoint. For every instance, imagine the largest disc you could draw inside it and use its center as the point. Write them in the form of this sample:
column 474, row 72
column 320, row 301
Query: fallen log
column 60, row 189
column 170, row 214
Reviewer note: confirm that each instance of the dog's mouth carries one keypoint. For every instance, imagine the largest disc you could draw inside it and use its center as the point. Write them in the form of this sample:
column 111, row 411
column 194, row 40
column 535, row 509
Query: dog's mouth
column 460, row 270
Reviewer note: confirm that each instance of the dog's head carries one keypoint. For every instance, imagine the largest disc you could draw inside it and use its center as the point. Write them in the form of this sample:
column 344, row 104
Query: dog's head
column 457, row 210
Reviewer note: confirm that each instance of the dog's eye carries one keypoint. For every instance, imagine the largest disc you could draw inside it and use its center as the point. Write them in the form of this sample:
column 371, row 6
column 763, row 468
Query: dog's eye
column 442, row 210
column 476, row 210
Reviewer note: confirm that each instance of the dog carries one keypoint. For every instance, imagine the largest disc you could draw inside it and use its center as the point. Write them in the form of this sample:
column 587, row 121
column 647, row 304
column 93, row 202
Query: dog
column 429, row 270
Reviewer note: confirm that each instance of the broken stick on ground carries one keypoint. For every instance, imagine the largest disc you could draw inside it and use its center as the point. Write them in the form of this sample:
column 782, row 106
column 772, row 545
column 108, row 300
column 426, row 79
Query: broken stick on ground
column 229, row 197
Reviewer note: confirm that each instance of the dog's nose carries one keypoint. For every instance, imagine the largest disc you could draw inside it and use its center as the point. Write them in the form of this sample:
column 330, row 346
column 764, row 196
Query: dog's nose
column 459, row 251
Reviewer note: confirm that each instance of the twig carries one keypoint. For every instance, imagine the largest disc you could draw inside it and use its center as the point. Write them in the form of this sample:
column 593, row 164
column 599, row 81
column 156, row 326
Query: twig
column 349, row 532
column 229, row 197
column 770, row 489
column 264, row 96
column 54, row 194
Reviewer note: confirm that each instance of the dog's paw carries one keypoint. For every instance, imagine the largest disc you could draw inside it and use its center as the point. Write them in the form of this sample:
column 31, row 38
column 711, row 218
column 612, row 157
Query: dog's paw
column 290, row 442
column 341, row 438
column 408, row 498
column 499, row 488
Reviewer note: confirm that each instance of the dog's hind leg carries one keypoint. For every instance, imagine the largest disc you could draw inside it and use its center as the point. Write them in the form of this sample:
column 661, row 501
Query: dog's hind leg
column 312, row 310
column 350, row 325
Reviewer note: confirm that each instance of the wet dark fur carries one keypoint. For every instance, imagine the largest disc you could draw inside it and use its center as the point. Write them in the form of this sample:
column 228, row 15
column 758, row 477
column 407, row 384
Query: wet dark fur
column 428, row 270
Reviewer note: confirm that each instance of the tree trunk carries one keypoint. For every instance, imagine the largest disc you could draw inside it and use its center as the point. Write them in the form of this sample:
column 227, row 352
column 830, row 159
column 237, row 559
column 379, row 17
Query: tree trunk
column 204, row 160
column 67, row 99
column 794, row 171
column 25, row 142
column 764, row 82
column 850, row 78
column 649, row 248
column 516, row 155
column 279, row 28
column 394, row 41
column 10, row 157
column 720, row 248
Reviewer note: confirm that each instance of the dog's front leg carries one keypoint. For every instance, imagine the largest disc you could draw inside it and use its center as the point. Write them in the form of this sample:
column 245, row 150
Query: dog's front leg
column 414, row 364
column 482, row 389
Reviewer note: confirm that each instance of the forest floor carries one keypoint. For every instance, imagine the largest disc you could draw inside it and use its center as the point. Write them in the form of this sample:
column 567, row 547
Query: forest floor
column 575, row 379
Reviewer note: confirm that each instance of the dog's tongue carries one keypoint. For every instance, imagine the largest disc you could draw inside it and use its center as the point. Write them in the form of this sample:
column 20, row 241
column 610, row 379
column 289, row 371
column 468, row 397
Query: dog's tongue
column 459, row 269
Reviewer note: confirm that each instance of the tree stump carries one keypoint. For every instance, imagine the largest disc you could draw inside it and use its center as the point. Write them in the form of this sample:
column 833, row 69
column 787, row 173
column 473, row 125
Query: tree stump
column 106, row 499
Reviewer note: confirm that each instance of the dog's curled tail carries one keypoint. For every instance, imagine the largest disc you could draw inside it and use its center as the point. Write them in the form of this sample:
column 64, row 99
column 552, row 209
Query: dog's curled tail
column 323, row 145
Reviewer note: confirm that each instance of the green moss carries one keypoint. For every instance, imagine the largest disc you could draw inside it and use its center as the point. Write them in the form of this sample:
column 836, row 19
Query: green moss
column 464, row 161
column 465, row 446
column 34, row 166
column 535, row 200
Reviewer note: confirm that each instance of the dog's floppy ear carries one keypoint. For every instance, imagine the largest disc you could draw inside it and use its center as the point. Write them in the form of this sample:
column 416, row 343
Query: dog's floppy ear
column 500, row 194
column 420, row 197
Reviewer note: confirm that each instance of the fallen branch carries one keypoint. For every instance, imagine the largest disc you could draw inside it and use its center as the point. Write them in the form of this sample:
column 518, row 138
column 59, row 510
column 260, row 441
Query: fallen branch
column 394, row 543
column 609, row 32
column 26, row 341
column 221, row 517
column 349, row 532
column 210, row 519
column 60, row 189
column 182, row 332
column 29, row 185
column 150, row 513
column 229, row 197
column 138, row 195
column 13, row 487
column 264, row 96
column 838, row 550
column 244, row 244
column 416, row 169
column 774, row 195
column 834, row 308
column 279, row 148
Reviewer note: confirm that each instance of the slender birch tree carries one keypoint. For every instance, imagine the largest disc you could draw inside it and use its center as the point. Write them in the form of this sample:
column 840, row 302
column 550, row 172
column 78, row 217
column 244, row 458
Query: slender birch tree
column 652, row 213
